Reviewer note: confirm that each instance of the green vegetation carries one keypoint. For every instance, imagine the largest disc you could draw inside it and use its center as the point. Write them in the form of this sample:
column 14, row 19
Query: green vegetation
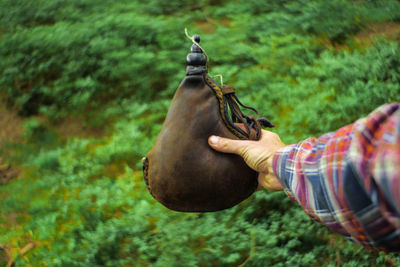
column 113, row 66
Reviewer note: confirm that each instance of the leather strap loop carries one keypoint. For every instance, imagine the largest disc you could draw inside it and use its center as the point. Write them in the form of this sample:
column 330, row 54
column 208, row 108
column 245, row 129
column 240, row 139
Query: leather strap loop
column 253, row 125
column 230, row 105
column 226, row 89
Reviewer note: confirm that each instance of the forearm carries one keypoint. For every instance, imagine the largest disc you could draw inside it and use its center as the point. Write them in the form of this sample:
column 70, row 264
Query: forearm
column 347, row 179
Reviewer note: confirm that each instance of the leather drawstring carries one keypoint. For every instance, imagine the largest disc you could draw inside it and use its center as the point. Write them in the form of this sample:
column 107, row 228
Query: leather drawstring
column 237, row 115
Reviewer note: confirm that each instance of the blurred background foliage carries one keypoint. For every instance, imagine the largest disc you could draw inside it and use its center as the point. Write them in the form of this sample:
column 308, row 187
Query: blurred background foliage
column 85, row 86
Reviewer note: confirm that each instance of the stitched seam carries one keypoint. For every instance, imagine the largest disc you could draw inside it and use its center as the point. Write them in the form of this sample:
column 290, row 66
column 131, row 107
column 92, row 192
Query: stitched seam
column 146, row 174
column 218, row 92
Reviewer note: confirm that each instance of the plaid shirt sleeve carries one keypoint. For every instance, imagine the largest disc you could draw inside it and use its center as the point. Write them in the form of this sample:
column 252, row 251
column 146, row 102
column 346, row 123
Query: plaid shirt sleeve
column 349, row 180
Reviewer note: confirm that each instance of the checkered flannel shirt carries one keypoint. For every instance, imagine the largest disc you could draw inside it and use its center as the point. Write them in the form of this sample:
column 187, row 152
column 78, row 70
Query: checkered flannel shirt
column 349, row 180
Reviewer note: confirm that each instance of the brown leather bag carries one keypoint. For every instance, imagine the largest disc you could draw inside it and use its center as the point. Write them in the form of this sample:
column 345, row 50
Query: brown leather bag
column 181, row 171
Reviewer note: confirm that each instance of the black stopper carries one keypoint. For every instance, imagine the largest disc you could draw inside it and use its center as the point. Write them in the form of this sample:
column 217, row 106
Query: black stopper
column 196, row 60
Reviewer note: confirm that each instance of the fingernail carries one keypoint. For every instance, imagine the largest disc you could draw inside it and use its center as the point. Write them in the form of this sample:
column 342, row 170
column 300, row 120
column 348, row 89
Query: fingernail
column 213, row 139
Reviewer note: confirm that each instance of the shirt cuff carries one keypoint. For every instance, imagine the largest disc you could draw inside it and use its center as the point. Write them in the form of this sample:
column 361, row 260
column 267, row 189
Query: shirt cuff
column 279, row 167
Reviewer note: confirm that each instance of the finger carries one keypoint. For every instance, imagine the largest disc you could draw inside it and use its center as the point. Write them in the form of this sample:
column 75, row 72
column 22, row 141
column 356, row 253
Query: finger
column 227, row 145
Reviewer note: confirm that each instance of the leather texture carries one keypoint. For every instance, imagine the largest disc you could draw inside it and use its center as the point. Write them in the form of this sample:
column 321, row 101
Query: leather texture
column 183, row 172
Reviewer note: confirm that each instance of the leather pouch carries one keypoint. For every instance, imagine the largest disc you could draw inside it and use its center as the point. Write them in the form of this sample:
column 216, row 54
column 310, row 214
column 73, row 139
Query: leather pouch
column 182, row 171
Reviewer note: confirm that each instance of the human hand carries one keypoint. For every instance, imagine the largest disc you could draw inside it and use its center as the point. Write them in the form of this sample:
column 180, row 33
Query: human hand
column 257, row 154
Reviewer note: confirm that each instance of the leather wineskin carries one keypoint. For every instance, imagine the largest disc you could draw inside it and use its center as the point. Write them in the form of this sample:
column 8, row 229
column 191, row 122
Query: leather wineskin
column 182, row 171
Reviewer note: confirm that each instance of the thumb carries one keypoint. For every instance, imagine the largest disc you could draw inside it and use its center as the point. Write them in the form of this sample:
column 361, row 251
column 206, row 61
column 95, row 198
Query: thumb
column 227, row 145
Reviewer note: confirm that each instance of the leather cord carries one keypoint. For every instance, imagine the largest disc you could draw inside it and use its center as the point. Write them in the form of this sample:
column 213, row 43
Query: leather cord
column 253, row 125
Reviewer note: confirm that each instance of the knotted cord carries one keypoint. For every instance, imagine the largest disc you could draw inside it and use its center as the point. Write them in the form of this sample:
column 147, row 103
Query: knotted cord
column 196, row 43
